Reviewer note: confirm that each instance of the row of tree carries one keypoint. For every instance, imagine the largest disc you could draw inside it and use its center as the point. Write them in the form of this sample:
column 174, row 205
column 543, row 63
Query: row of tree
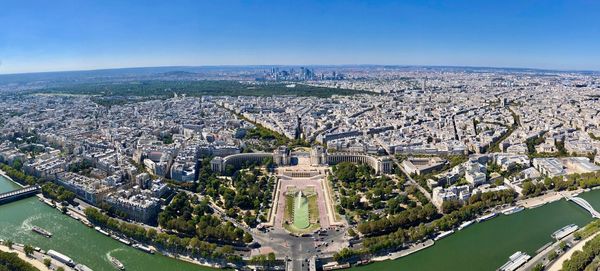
column 57, row 193
column 560, row 183
column 171, row 242
column 403, row 236
column 18, row 175
column 582, row 258
column 407, row 218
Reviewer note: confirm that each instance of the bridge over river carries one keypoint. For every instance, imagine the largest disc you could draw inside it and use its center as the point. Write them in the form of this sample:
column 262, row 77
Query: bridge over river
column 584, row 204
column 19, row 194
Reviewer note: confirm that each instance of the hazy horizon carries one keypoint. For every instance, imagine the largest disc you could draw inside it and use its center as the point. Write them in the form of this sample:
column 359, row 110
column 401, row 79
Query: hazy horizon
column 87, row 35
column 175, row 67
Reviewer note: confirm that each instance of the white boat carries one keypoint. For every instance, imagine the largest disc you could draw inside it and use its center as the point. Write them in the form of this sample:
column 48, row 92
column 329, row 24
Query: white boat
column 81, row 267
column 41, row 231
column 564, row 231
column 487, row 217
column 98, row 229
column 443, row 234
column 512, row 210
column 116, row 263
column 143, row 248
column 515, row 261
column 124, row 241
column 465, row 224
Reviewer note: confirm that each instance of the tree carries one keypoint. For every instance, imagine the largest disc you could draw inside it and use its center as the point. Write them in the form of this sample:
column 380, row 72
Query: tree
column 271, row 257
column 538, row 267
column 47, row 262
column 563, row 245
column 450, row 206
column 28, row 250
column 12, row 262
column 247, row 238
column 9, row 243
column 60, row 269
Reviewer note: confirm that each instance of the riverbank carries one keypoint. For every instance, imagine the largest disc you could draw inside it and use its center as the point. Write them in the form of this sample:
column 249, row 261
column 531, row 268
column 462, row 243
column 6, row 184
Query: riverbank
column 405, row 252
column 546, row 198
column 557, row 265
column 80, row 216
column 36, row 259
column 3, row 174
column 529, row 203
column 501, row 237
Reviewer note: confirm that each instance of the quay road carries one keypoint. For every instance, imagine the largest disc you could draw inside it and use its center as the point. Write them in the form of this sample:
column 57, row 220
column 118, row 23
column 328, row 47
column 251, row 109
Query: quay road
column 542, row 256
column 36, row 259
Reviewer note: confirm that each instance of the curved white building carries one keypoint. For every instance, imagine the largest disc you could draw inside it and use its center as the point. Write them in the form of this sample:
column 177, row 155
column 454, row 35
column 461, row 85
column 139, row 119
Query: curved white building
column 379, row 164
column 281, row 156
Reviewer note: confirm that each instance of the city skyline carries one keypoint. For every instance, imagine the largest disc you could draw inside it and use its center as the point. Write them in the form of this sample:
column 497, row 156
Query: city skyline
column 68, row 36
column 305, row 135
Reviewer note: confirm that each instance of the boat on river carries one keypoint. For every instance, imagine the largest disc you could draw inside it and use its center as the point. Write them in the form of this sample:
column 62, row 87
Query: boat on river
column 564, row 231
column 443, row 234
column 100, row 230
column 122, row 240
column 465, row 224
column 81, row 267
column 515, row 261
column 144, row 248
column 41, row 231
column 512, row 210
column 487, row 217
column 116, row 263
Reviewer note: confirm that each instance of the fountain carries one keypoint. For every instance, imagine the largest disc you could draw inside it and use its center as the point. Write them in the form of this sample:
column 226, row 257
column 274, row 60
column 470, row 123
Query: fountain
column 301, row 218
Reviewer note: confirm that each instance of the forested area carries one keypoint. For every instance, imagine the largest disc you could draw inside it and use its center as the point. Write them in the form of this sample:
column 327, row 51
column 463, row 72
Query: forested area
column 242, row 198
column 166, row 88
column 250, row 191
column 186, row 215
column 365, row 196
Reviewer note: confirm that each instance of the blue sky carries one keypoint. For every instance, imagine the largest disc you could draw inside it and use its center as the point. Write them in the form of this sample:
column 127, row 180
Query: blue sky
column 79, row 34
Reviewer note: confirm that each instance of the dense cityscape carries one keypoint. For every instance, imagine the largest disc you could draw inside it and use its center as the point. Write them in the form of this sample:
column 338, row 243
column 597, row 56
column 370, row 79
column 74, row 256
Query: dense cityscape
column 300, row 135
column 379, row 163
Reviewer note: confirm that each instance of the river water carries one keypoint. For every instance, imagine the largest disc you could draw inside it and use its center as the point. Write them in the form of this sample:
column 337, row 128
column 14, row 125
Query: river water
column 487, row 245
column 482, row 246
column 70, row 237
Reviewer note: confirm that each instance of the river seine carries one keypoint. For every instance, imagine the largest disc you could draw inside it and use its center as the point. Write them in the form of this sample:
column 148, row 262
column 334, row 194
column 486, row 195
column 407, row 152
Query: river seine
column 70, row 237
column 481, row 246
